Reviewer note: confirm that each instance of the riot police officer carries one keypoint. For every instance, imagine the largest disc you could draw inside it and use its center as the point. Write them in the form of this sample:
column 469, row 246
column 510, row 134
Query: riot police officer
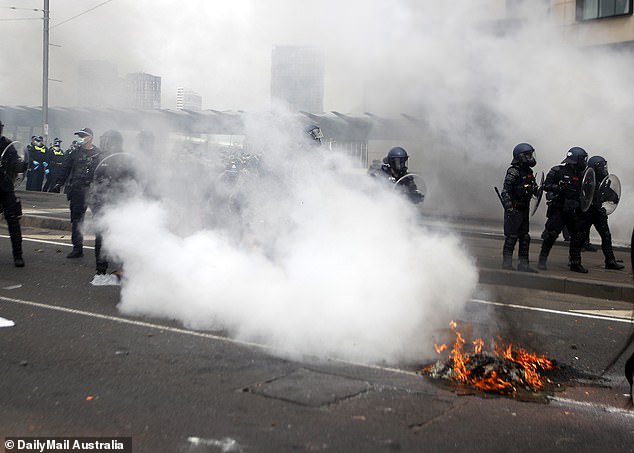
column 596, row 215
column 563, row 187
column 114, row 174
column 55, row 161
column 519, row 187
column 10, row 165
column 38, row 163
column 393, row 169
column 80, row 168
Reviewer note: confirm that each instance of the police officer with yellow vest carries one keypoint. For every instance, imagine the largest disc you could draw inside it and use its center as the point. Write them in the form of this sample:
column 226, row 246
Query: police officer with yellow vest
column 55, row 161
column 38, row 161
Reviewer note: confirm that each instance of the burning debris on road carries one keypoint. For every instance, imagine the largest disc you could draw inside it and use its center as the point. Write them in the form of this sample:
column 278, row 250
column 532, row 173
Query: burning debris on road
column 506, row 370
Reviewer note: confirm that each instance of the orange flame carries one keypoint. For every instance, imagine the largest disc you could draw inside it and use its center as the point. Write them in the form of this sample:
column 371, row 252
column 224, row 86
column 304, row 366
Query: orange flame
column 531, row 364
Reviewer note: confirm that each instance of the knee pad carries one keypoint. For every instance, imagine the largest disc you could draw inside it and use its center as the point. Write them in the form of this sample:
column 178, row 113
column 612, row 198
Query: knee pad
column 550, row 235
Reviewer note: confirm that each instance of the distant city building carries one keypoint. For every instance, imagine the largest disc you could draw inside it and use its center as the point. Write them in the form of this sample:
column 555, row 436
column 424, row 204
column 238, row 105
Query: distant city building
column 143, row 91
column 297, row 78
column 99, row 85
column 188, row 100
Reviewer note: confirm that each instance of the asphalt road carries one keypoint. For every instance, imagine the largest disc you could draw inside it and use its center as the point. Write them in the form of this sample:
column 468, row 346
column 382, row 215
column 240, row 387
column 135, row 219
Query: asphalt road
column 74, row 366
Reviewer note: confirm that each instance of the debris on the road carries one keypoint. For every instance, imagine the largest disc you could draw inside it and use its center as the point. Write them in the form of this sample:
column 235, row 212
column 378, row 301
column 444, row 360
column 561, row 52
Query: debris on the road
column 6, row 322
column 105, row 280
column 505, row 371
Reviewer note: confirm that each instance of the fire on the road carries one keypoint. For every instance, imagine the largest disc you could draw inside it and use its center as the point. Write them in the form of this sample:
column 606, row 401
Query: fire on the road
column 504, row 370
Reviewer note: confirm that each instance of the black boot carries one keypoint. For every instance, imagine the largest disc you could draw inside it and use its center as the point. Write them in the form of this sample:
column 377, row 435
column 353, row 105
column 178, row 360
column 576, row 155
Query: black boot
column 612, row 264
column 541, row 264
column 18, row 261
column 578, row 267
column 507, row 252
column 76, row 253
column 525, row 267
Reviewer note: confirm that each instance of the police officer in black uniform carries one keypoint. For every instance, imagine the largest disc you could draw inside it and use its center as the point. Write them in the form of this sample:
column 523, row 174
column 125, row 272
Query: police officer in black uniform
column 55, row 161
column 563, row 192
column 38, row 162
column 10, row 165
column 596, row 215
column 113, row 176
column 519, row 187
column 80, row 168
column 394, row 167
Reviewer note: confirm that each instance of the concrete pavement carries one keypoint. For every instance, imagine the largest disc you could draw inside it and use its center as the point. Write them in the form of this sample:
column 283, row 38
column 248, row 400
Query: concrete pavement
column 483, row 238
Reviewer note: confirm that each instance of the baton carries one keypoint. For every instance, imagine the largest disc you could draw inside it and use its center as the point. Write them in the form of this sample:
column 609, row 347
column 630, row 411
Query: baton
column 499, row 197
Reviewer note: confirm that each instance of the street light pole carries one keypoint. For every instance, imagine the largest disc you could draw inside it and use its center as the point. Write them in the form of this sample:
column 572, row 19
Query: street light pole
column 45, row 73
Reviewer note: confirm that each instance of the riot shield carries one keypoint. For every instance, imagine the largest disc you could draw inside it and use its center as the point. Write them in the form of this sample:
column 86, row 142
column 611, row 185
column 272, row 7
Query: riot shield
column 413, row 186
column 20, row 150
column 609, row 193
column 538, row 195
column 117, row 161
column 117, row 173
column 588, row 184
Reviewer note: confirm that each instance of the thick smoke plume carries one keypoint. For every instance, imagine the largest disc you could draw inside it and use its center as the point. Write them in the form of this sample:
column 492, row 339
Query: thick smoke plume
column 305, row 254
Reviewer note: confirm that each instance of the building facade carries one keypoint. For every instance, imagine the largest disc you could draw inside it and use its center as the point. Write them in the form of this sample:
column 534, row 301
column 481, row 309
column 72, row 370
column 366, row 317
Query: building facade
column 297, row 78
column 187, row 99
column 143, row 91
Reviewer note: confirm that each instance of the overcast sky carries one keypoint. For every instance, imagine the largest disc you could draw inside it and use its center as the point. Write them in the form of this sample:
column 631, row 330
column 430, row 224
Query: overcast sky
column 221, row 48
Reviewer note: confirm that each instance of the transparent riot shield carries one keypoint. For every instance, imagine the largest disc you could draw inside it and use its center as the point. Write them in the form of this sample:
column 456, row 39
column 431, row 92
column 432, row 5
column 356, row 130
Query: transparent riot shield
column 19, row 149
column 538, row 195
column 119, row 174
column 588, row 184
column 609, row 193
column 413, row 186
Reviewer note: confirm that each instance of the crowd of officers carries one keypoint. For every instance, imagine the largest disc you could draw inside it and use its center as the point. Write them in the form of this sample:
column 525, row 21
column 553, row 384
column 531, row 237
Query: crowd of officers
column 567, row 208
column 45, row 163
column 50, row 168
column 84, row 172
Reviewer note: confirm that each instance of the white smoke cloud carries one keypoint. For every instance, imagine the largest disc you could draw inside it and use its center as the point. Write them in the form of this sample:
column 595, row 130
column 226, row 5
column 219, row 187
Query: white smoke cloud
column 316, row 260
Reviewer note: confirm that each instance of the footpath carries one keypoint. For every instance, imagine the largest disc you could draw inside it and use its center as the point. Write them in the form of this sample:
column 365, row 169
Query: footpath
column 483, row 238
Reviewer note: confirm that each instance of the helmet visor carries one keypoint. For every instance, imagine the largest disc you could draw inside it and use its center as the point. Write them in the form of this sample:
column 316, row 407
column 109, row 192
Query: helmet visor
column 399, row 163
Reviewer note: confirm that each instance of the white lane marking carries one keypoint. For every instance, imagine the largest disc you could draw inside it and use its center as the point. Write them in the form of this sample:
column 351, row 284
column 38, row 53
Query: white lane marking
column 588, row 405
column 187, row 332
column 550, row 310
column 625, row 314
column 44, row 241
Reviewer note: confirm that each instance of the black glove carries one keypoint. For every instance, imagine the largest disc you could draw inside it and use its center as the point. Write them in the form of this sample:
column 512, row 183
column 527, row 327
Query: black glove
column 56, row 188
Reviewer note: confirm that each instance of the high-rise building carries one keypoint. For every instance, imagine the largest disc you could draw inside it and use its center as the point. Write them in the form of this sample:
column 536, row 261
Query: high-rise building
column 297, row 78
column 187, row 99
column 143, row 91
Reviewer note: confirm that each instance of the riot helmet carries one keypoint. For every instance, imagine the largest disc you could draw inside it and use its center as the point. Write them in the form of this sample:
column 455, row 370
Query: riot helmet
column 315, row 134
column 397, row 160
column 577, row 157
column 111, row 141
column 39, row 140
column 600, row 166
column 524, row 154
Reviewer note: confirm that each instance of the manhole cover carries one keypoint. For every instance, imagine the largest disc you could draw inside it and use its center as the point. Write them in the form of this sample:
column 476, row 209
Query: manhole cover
column 310, row 388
